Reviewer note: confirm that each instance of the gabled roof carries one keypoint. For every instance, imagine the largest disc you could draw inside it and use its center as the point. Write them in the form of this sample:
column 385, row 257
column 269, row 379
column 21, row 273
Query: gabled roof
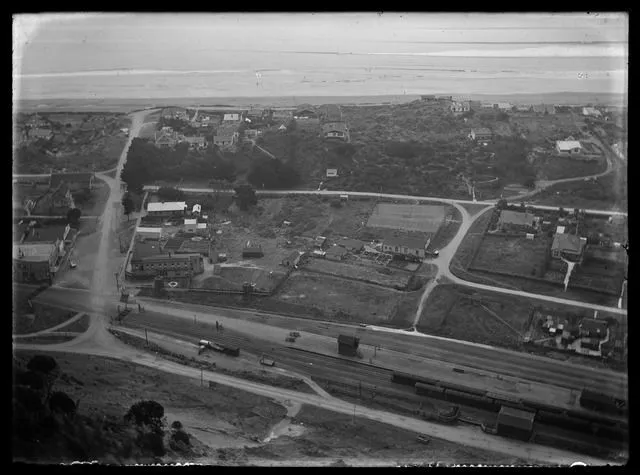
column 566, row 145
column 482, row 131
column 336, row 251
column 516, row 418
column 567, row 243
column 293, row 256
column 351, row 244
column 348, row 340
column 231, row 117
column 168, row 206
column 594, row 325
column 334, row 127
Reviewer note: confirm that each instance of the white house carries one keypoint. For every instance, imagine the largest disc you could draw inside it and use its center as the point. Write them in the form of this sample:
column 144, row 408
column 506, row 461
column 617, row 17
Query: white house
column 568, row 147
column 190, row 225
column 196, row 209
column 332, row 172
column 460, row 107
column 149, row 233
column 232, row 118
column 591, row 112
column 167, row 209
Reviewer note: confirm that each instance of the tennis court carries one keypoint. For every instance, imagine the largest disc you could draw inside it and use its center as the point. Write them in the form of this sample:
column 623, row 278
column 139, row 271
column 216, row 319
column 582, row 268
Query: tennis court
column 424, row 218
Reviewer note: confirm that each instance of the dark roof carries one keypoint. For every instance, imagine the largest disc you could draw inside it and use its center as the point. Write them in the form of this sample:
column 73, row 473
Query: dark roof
column 411, row 242
column 351, row 244
column 57, row 178
column 348, row 340
column 292, row 257
column 337, row 126
column 592, row 396
column 567, row 243
column 516, row 418
column 145, row 249
column 173, row 244
column 336, row 251
column 594, row 325
column 482, row 131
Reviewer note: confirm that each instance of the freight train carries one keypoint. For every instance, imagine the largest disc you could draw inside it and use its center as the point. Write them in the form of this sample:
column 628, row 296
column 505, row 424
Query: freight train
column 578, row 421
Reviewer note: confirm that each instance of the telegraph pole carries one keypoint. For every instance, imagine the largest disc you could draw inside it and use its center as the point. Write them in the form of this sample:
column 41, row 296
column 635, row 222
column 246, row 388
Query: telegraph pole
column 146, row 337
column 117, row 283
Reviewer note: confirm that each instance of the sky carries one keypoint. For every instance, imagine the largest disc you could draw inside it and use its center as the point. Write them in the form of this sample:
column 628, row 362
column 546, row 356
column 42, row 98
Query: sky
column 48, row 45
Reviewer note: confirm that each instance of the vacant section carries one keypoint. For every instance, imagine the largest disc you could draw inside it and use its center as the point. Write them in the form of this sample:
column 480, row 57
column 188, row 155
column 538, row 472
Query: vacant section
column 425, row 218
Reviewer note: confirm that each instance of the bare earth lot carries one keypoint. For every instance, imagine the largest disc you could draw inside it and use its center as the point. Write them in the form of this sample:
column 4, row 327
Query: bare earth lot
column 397, row 278
column 343, row 299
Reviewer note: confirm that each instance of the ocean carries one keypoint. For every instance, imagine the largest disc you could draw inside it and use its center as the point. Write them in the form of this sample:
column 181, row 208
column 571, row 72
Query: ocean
column 140, row 63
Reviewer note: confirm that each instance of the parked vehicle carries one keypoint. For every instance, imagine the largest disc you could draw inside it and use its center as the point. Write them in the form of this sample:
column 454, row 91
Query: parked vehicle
column 73, row 264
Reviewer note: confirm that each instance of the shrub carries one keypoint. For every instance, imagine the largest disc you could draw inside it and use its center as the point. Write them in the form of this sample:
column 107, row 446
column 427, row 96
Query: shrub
column 43, row 364
column 152, row 442
column 176, row 425
column 61, row 402
column 182, row 437
column 148, row 413
column 31, row 380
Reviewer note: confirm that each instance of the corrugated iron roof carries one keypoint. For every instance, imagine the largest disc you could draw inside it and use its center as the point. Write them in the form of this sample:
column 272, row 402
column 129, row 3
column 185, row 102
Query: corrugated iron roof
column 168, row 206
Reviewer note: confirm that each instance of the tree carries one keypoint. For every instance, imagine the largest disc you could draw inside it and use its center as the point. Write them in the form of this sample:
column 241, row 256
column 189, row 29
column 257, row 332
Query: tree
column 146, row 413
column 245, row 196
column 46, row 366
column 502, row 204
column 127, row 204
column 61, row 402
column 530, row 182
column 73, row 216
column 167, row 193
column 292, row 126
column 82, row 196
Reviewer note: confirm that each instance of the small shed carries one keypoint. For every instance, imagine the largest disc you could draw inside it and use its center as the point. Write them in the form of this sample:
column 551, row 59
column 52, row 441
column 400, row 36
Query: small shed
column 348, row 345
column 292, row 259
column 197, row 209
column 530, row 236
column 344, row 197
column 320, row 241
column 336, row 253
column 515, row 423
column 252, row 250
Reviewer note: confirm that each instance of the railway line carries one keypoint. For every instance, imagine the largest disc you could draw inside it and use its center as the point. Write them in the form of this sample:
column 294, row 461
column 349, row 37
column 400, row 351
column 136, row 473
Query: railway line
column 353, row 378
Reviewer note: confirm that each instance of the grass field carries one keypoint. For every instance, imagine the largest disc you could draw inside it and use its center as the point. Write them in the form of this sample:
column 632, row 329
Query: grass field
column 556, row 168
column 512, row 254
column 471, row 241
column 79, row 325
column 448, row 230
column 40, row 317
column 424, row 218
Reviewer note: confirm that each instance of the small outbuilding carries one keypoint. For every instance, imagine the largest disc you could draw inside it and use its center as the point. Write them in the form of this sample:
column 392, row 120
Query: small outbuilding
column 336, row 253
column 348, row 345
column 292, row 259
column 515, row 423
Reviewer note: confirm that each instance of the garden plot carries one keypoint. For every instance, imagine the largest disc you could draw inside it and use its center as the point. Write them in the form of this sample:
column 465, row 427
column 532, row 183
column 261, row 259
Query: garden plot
column 517, row 255
column 340, row 299
column 397, row 279
column 424, row 218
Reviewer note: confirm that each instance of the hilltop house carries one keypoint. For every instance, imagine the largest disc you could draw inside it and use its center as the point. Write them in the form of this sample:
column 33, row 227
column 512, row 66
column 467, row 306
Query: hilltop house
column 568, row 147
column 336, row 130
column 281, row 115
column 503, row 106
column 195, row 142
column 568, row 245
column 406, row 246
column 460, row 107
column 166, row 139
column 481, row 135
column 226, row 136
column 232, row 118
column 591, row 112
column 523, row 107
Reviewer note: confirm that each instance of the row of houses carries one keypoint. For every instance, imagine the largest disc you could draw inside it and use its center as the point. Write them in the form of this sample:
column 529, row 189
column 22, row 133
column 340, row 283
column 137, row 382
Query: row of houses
column 55, row 197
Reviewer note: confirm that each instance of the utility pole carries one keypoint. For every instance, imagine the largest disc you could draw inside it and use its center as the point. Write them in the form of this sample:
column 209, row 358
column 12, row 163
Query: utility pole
column 117, row 283
column 354, row 414
column 201, row 377
column 146, row 337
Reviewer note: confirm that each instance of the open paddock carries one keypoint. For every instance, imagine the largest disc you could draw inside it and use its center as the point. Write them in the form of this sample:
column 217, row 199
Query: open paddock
column 424, row 218
column 519, row 255
column 340, row 299
column 233, row 277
